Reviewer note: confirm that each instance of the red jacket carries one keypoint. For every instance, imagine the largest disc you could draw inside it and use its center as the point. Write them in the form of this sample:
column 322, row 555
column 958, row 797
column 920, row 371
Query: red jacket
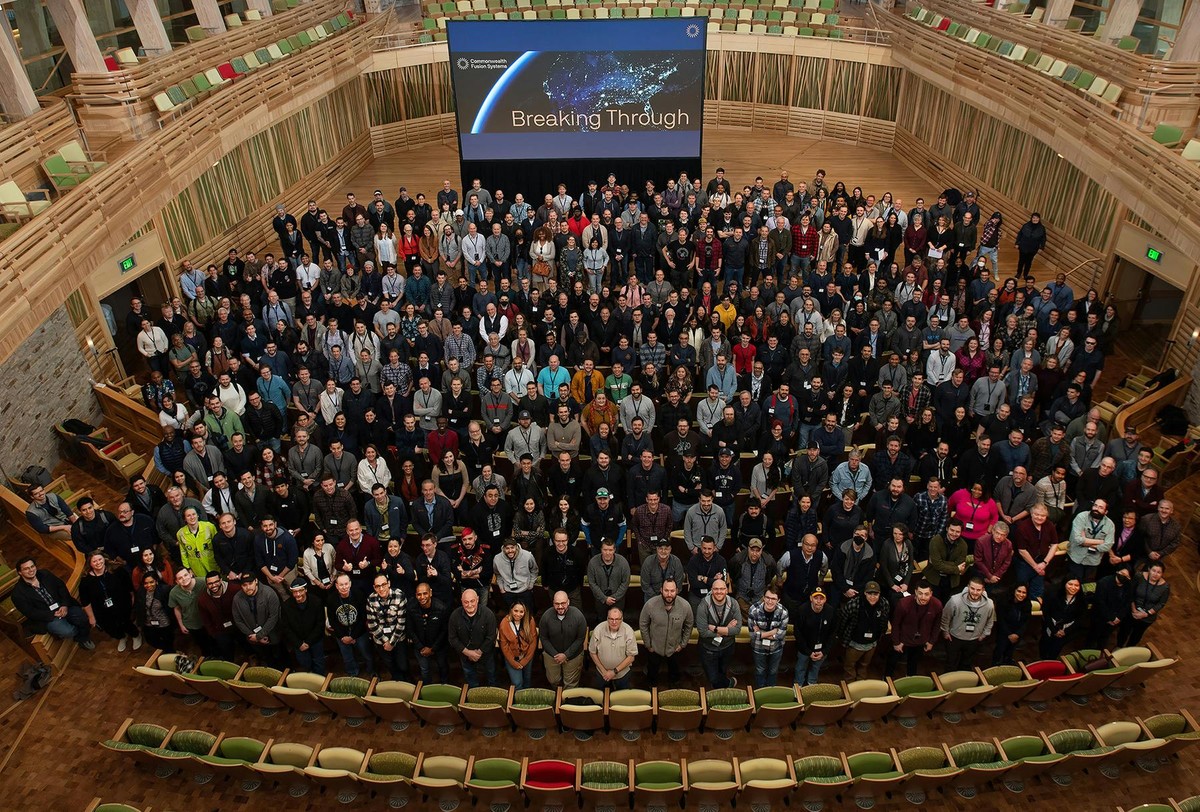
column 915, row 625
column 804, row 242
column 992, row 558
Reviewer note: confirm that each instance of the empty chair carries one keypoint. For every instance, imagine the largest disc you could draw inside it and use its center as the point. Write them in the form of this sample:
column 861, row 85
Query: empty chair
column 235, row 757
column 286, row 762
column 209, row 680
column 657, row 784
column 494, row 781
column 485, row 708
column 253, row 15
column 1011, row 686
column 299, row 692
column 441, row 779
column 819, row 779
column 389, row 775
column 62, row 176
column 233, row 21
column 873, row 699
column 549, row 782
column 979, row 763
column 336, row 770
column 1054, row 680
column 1057, row 68
column 1191, row 151
column 1178, row 729
column 1033, row 755
column 1082, row 750
column 532, row 710
column 1128, row 43
column 581, row 710
column 875, row 773
column 711, row 782
column 1098, row 86
column 605, row 784
column 135, row 739
column 195, row 33
column 437, row 705
column 344, row 696
column 729, row 709
column 966, row 691
column 765, row 781
column 776, row 707
column 679, row 711
column 824, row 704
column 630, row 711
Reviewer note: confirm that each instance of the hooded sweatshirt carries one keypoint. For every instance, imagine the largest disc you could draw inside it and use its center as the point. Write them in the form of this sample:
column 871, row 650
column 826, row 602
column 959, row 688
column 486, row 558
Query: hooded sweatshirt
column 965, row 619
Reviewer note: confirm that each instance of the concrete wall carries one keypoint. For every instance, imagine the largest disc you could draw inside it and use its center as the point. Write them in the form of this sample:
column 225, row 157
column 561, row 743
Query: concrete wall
column 46, row 381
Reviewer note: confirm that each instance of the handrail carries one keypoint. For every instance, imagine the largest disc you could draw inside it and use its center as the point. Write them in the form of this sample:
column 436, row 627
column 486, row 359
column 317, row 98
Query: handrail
column 1099, row 260
column 1174, row 392
column 48, row 258
column 1154, row 182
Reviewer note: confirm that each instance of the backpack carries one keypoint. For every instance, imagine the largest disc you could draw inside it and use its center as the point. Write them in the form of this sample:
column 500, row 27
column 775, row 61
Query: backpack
column 36, row 475
column 75, row 426
column 33, row 678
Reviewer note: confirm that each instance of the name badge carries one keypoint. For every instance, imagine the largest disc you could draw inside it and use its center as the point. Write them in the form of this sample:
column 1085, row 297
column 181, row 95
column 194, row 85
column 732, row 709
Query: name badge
column 108, row 603
column 868, row 635
column 356, row 571
column 274, row 568
column 227, row 624
column 970, row 627
column 257, row 629
column 53, row 607
column 325, row 580
column 383, row 528
column 818, row 646
column 969, row 525
column 654, row 540
column 333, row 522
column 135, row 549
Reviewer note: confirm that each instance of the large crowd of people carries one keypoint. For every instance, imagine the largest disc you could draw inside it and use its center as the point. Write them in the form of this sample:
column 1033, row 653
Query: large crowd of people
column 859, row 430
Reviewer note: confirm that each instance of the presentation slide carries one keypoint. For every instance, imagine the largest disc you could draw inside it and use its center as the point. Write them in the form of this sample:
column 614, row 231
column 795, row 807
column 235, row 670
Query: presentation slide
column 552, row 89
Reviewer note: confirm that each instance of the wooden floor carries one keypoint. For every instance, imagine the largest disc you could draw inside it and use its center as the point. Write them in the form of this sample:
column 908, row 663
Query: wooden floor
column 49, row 758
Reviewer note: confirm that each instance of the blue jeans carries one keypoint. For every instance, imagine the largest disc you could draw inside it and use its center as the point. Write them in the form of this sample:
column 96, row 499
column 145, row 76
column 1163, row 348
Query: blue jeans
column 808, row 670
column 992, row 254
column 766, row 667
column 312, row 660
column 522, row 266
column 475, row 272
column 520, row 677
column 485, row 667
column 715, row 663
column 73, row 626
column 734, row 275
column 425, row 665
column 806, row 430
column 644, row 267
column 396, row 660
column 678, row 511
column 1028, row 576
column 362, row 645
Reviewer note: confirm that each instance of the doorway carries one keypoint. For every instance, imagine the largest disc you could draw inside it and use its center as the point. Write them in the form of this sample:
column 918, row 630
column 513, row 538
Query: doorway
column 152, row 288
column 1148, row 306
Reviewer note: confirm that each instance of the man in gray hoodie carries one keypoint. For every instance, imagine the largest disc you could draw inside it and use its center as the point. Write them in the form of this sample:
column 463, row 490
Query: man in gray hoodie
column 967, row 620
column 718, row 620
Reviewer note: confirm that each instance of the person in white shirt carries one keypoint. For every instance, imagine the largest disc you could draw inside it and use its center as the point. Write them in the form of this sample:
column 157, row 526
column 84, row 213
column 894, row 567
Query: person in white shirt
column 373, row 470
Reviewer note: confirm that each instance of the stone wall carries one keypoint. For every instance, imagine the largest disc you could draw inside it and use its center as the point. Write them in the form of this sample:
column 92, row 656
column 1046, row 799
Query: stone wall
column 46, row 381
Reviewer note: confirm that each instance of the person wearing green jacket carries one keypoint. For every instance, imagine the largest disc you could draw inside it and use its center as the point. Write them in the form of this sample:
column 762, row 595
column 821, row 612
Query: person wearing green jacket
column 222, row 423
column 196, row 543
column 947, row 561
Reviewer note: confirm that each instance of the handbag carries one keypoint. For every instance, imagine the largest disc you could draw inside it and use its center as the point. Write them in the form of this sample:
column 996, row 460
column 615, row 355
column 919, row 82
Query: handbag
column 541, row 267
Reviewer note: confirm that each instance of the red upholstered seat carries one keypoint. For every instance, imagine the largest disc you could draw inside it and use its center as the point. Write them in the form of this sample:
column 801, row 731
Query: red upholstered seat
column 227, row 71
column 550, row 774
column 110, row 62
column 1048, row 669
column 944, row 24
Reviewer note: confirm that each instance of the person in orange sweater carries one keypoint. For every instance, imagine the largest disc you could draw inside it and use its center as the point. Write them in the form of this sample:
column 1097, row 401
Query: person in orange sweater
column 518, row 643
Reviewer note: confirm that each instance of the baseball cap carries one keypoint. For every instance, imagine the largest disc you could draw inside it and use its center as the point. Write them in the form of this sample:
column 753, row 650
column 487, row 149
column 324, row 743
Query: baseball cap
column 814, row 444
column 818, row 591
column 603, row 494
column 524, row 415
column 726, row 452
column 299, row 583
column 756, row 544
column 872, row 587
column 665, row 541
column 458, row 213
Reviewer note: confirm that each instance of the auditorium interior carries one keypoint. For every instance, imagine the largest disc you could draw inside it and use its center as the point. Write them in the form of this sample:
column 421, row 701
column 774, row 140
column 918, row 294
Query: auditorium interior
column 135, row 136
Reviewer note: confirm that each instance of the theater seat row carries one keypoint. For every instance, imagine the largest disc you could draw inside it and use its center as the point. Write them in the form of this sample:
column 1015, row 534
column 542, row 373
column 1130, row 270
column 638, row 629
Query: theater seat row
column 812, row 780
column 587, row 711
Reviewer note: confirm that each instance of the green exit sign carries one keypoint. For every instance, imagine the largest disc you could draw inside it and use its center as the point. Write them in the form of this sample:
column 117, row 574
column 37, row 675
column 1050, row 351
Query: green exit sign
column 1153, row 254
column 128, row 264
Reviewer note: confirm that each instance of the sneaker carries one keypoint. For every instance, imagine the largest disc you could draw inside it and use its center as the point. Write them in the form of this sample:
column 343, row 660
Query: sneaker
column 87, row 645
column 121, row 645
column 733, row 682
column 137, row 642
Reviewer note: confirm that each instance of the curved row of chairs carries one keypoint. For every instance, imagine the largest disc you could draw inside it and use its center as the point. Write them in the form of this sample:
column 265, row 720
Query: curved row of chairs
column 630, row 712
column 1191, row 804
column 1082, row 79
column 180, row 95
column 812, row 780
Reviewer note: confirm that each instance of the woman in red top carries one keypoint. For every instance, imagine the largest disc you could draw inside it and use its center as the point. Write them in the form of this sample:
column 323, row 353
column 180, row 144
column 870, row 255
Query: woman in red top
column 916, row 239
column 976, row 510
column 970, row 360
column 410, row 248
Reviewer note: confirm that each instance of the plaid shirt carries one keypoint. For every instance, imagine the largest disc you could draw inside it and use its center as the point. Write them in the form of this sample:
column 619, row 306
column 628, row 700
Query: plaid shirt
column 386, row 617
column 931, row 516
column 910, row 406
column 804, row 243
column 759, row 621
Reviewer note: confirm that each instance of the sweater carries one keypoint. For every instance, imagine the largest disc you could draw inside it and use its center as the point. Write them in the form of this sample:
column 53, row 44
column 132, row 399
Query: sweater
column 965, row 619
column 472, row 632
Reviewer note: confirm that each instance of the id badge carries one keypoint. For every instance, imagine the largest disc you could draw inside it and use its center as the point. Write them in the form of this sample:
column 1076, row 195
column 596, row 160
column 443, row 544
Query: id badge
column 227, row 624
column 970, row 628
column 868, row 635
column 383, row 528
column 969, row 525
column 333, row 522
column 53, row 607
column 325, row 581
column 274, row 568
column 135, row 549
column 356, row 571
column 818, row 646
column 257, row 629
column 108, row 603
